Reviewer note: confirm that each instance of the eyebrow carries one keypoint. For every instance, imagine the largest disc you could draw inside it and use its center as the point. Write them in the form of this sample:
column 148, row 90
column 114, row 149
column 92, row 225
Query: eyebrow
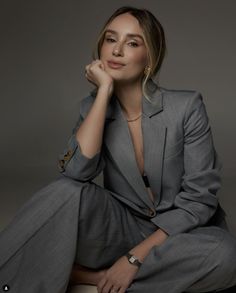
column 129, row 35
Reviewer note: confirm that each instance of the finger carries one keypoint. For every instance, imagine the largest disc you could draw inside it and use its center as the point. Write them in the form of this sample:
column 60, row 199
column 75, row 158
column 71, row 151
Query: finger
column 122, row 290
column 102, row 66
column 116, row 289
column 95, row 61
column 89, row 78
column 107, row 288
column 101, row 285
column 89, row 74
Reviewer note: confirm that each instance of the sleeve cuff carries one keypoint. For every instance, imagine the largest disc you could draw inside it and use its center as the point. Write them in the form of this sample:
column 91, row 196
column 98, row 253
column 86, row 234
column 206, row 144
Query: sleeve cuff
column 175, row 221
column 74, row 164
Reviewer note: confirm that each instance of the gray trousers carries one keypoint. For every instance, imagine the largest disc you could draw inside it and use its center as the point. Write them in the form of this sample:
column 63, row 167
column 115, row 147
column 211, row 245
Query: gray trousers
column 69, row 221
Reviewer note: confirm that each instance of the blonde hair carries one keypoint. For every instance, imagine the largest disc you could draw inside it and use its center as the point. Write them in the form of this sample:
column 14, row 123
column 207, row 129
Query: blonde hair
column 154, row 39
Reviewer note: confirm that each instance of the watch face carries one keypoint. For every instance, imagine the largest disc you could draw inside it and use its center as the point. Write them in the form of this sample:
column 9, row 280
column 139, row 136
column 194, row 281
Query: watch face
column 132, row 259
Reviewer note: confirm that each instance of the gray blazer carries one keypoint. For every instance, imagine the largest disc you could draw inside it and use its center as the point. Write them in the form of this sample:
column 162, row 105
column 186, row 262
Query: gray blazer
column 180, row 160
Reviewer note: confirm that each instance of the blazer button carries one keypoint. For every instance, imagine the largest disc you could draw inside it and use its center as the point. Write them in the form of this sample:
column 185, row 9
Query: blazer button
column 152, row 212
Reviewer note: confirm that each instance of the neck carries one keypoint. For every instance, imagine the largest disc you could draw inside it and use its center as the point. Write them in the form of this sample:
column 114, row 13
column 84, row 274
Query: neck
column 130, row 98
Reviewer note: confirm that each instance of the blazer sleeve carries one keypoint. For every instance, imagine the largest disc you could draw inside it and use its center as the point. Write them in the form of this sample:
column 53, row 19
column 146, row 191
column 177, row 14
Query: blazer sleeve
column 73, row 163
column 197, row 200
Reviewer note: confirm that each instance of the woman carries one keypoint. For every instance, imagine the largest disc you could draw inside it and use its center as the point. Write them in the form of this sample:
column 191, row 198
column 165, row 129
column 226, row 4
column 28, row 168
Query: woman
column 156, row 225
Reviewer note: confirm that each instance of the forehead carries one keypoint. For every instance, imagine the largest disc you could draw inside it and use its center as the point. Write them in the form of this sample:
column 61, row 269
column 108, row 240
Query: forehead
column 125, row 24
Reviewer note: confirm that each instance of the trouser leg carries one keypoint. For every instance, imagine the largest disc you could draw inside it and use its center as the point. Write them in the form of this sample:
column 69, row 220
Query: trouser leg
column 38, row 247
column 199, row 261
column 220, row 267
column 65, row 222
column 106, row 229
column 69, row 221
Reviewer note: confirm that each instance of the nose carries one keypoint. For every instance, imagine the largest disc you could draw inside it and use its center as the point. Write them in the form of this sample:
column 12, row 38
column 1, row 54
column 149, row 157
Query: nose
column 117, row 51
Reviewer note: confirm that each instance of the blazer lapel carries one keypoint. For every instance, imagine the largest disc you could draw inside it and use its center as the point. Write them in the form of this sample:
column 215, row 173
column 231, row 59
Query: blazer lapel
column 154, row 136
column 118, row 140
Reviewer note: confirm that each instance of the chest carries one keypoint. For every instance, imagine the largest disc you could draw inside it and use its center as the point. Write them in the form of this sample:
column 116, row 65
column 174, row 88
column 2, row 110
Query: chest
column 137, row 140
column 135, row 130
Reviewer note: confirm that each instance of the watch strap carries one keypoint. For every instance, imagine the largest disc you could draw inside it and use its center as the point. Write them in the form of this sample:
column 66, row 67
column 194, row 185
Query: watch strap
column 133, row 259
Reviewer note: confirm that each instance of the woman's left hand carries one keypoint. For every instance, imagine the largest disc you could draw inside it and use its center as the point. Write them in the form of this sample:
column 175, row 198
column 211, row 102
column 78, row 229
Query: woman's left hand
column 118, row 277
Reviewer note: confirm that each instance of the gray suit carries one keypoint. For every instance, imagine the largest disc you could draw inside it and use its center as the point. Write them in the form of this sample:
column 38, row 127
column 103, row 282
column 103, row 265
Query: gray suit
column 75, row 220
column 179, row 159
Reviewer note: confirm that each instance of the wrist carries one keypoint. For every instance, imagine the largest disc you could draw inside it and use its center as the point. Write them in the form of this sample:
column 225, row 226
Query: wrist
column 133, row 260
column 106, row 88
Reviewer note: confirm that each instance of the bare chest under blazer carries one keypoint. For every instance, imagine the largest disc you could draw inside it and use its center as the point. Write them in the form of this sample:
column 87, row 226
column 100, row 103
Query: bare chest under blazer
column 137, row 139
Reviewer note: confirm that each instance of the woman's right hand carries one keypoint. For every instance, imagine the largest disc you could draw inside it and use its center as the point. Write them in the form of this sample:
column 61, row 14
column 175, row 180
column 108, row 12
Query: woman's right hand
column 96, row 74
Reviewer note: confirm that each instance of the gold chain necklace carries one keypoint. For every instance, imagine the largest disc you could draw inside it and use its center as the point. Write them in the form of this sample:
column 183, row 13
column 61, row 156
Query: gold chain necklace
column 130, row 120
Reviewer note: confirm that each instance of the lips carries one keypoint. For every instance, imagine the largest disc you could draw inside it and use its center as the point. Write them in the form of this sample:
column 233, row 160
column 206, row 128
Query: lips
column 113, row 64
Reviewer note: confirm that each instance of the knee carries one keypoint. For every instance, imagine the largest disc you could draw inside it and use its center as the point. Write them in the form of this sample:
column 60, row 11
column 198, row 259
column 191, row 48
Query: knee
column 227, row 253
column 66, row 186
column 227, row 266
column 90, row 194
column 224, row 260
column 86, row 189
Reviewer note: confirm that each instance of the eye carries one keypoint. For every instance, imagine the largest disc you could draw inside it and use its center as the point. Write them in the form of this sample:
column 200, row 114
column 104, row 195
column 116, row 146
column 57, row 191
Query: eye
column 110, row 40
column 134, row 44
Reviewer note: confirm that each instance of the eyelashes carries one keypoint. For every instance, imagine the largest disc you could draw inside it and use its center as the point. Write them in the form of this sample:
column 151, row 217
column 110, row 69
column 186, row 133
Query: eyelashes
column 111, row 40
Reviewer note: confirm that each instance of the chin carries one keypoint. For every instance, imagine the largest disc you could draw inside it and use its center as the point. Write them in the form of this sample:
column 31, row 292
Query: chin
column 116, row 75
column 120, row 77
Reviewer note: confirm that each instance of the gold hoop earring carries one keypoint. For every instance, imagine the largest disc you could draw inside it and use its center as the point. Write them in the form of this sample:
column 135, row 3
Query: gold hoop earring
column 147, row 70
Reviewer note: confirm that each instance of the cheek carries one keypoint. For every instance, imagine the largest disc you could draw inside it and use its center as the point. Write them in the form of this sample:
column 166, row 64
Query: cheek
column 138, row 65
column 139, row 59
column 102, row 54
column 105, row 50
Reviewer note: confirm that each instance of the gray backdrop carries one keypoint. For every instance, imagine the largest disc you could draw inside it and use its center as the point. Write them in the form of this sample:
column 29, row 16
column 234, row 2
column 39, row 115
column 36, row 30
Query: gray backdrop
column 45, row 46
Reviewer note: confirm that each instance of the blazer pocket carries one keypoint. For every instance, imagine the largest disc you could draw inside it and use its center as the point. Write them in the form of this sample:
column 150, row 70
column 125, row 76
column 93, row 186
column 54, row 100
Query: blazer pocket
column 173, row 150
